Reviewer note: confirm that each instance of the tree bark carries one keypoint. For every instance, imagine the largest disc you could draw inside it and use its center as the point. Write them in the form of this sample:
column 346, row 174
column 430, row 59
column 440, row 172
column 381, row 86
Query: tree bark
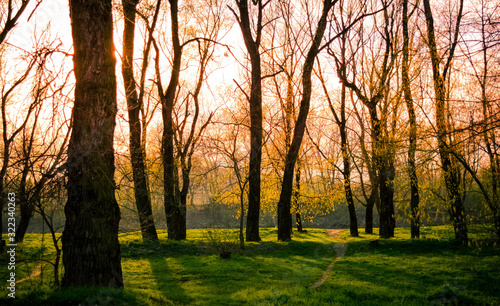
column 412, row 138
column 137, row 154
column 284, row 220
column 91, row 252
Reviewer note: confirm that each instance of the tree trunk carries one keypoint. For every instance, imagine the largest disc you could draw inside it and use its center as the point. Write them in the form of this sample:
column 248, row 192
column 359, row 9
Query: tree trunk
column 353, row 220
column 373, row 200
column 296, row 196
column 183, row 193
column 142, row 197
column 27, row 211
column 369, row 216
column 412, row 146
column 91, row 252
column 346, row 171
column 175, row 215
column 386, row 189
column 284, row 220
column 255, row 101
column 386, row 185
column 242, row 216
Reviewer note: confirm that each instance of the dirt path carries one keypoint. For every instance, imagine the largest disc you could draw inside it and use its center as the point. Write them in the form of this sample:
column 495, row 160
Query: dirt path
column 33, row 274
column 340, row 249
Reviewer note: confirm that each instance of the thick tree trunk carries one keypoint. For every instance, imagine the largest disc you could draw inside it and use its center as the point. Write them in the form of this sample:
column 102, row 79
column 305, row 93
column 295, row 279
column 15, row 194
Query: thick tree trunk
column 91, row 252
column 27, row 211
column 284, row 220
column 142, row 197
column 412, row 146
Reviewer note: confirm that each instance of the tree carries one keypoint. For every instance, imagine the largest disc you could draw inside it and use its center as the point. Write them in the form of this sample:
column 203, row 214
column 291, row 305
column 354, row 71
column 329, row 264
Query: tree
column 482, row 58
column 38, row 157
column 228, row 144
column 18, row 137
column 341, row 121
column 448, row 163
column 284, row 204
column 14, row 10
column 188, row 111
column 412, row 137
column 176, row 217
column 255, row 101
column 372, row 200
column 135, row 106
column 371, row 95
column 91, row 251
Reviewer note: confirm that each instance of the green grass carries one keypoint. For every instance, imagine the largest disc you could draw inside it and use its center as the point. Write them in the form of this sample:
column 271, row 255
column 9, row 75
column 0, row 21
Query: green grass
column 397, row 271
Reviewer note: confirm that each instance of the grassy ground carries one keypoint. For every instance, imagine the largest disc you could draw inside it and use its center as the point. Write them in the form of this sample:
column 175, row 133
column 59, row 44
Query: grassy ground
column 397, row 271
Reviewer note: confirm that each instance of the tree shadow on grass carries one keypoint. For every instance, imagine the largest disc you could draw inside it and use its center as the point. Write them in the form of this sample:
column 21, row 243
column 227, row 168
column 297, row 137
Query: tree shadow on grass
column 167, row 282
column 433, row 270
column 188, row 273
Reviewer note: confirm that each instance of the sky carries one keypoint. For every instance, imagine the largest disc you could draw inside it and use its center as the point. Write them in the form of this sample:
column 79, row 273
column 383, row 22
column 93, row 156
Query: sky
column 53, row 12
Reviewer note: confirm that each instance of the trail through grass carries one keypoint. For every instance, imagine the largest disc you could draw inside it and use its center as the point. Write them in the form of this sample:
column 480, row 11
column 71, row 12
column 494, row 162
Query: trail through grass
column 340, row 249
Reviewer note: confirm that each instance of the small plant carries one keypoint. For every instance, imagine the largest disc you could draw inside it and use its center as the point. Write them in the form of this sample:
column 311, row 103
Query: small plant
column 221, row 241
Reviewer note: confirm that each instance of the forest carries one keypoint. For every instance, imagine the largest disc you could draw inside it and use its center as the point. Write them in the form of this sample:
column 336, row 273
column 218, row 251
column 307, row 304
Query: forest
column 240, row 124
